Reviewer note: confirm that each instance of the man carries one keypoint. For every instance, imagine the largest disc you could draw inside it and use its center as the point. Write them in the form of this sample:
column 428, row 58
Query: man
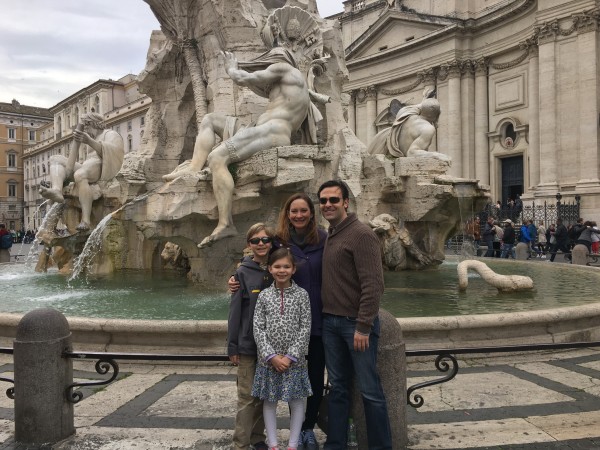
column 351, row 291
column 533, row 237
column 289, row 105
column 489, row 232
column 508, row 240
column 561, row 237
column 412, row 132
column 104, row 157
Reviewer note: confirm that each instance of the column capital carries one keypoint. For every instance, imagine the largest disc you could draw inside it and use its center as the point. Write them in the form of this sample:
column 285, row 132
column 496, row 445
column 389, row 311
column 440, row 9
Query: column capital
column 467, row 67
column 371, row 92
column 480, row 65
column 360, row 95
column 454, row 69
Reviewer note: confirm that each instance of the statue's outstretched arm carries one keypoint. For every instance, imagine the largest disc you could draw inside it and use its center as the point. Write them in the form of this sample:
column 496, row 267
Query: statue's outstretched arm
column 270, row 75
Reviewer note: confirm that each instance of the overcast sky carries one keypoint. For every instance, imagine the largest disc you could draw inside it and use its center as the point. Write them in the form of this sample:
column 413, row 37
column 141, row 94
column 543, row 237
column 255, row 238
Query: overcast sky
column 50, row 49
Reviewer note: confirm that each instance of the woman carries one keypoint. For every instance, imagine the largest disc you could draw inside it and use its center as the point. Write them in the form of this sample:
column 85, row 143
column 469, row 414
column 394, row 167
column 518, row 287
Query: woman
column 542, row 240
column 297, row 230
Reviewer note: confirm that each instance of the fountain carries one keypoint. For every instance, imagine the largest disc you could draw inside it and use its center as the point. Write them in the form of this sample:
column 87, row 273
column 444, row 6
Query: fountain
column 410, row 200
column 415, row 190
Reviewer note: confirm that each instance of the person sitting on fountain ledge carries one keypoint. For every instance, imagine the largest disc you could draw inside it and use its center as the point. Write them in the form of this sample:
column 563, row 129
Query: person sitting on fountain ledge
column 104, row 156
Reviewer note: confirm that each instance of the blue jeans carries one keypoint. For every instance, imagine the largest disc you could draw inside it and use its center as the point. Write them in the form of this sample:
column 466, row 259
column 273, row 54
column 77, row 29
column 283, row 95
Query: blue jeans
column 343, row 363
column 508, row 249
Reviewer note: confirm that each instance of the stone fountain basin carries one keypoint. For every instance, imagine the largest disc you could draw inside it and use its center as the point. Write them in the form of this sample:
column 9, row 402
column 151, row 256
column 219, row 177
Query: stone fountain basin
column 552, row 325
column 568, row 324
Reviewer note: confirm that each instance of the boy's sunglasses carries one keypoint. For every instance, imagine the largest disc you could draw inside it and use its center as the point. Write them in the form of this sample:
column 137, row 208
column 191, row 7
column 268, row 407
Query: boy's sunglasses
column 332, row 200
column 264, row 240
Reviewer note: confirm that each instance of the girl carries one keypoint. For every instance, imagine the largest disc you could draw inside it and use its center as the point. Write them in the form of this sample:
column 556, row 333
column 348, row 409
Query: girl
column 282, row 322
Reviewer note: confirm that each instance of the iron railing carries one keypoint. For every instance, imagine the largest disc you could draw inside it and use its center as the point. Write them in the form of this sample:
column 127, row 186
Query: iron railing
column 445, row 361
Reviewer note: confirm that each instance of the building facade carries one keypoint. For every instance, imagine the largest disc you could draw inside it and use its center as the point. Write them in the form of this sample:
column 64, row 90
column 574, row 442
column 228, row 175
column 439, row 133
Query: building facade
column 517, row 80
column 20, row 127
column 124, row 111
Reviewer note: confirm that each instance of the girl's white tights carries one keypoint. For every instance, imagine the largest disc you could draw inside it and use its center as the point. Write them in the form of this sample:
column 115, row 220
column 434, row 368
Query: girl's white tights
column 296, row 419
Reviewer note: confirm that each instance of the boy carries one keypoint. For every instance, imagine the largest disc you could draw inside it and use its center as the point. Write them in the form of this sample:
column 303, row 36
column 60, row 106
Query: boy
column 253, row 277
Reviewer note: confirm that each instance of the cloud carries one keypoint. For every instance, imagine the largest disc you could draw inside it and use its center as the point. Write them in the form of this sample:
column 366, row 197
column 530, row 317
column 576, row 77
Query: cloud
column 51, row 49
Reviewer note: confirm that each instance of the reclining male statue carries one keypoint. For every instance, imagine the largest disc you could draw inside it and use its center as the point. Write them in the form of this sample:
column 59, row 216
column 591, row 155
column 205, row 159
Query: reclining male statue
column 412, row 132
column 274, row 75
column 104, row 156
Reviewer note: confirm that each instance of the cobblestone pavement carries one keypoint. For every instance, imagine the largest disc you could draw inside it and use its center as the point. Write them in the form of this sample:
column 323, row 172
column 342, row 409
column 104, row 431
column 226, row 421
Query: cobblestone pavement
column 517, row 401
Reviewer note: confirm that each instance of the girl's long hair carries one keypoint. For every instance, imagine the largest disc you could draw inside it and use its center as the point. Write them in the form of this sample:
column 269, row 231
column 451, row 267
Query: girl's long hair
column 283, row 224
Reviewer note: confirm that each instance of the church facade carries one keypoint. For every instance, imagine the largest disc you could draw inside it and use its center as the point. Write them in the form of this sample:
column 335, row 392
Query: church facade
column 517, row 80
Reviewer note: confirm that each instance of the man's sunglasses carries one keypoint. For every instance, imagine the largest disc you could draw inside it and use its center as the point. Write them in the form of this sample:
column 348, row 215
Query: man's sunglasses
column 332, row 200
column 264, row 240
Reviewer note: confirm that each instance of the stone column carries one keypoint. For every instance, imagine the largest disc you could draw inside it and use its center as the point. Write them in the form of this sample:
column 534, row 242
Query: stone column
column 587, row 44
column 482, row 151
column 547, row 109
column 371, row 113
column 454, row 120
column 467, row 103
column 352, row 112
column 533, row 92
column 42, row 413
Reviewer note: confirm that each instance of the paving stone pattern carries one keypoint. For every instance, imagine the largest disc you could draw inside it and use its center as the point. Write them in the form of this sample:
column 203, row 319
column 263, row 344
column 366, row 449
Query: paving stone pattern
column 509, row 402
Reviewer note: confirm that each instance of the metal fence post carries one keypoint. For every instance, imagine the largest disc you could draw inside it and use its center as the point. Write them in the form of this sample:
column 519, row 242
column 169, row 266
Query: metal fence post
column 42, row 412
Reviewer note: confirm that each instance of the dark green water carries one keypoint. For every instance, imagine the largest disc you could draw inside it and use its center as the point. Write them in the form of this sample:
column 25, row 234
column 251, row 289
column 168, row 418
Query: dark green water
column 144, row 295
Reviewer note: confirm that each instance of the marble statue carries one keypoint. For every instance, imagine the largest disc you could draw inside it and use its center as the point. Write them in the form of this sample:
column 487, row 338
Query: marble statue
column 399, row 250
column 104, row 152
column 282, row 75
column 504, row 283
column 412, row 132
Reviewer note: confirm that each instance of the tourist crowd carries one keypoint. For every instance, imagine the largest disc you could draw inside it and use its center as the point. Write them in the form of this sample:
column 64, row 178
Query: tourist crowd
column 500, row 237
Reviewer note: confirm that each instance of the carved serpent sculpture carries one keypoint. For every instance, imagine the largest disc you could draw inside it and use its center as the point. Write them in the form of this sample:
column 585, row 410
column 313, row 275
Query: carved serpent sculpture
column 504, row 283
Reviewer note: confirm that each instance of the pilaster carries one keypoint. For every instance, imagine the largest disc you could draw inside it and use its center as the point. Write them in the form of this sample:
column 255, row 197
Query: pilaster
column 467, row 90
column 371, row 113
column 454, row 119
column 482, row 151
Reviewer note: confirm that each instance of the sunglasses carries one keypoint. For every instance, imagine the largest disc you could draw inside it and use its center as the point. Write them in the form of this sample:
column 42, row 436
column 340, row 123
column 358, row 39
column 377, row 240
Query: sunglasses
column 332, row 200
column 264, row 240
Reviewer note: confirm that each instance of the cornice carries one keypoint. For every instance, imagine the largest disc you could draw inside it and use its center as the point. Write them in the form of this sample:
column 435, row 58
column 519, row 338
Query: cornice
column 581, row 22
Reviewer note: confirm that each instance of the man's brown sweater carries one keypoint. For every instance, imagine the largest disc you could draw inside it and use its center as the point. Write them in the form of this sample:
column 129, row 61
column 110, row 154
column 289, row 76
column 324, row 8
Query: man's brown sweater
column 352, row 273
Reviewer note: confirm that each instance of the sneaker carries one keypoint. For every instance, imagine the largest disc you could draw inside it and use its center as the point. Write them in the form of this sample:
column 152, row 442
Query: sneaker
column 309, row 440
column 260, row 446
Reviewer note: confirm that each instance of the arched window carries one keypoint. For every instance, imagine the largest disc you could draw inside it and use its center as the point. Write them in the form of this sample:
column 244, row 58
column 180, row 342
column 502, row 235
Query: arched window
column 97, row 105
column 129, row 143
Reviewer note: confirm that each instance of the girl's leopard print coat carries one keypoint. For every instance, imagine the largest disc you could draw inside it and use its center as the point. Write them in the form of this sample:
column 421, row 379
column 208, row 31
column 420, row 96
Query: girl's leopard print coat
column 282, row 326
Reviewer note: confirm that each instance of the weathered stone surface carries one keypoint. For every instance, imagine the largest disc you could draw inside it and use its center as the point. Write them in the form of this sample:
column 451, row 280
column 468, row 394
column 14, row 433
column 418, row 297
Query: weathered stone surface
column 293, row 171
